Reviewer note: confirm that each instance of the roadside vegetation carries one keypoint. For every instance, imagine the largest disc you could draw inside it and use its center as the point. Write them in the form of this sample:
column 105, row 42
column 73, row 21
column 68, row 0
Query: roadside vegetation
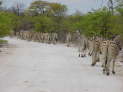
column 43, row 16
column 3, row 42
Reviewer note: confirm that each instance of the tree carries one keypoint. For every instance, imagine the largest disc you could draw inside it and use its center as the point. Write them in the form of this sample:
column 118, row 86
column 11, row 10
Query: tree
column 117, row 19
column 45, row 8
column 43, row 24
column 73, row 22
column 6, row 23
column 38, row 8
column 1, row 2
column 97, row 23
column 58, row 9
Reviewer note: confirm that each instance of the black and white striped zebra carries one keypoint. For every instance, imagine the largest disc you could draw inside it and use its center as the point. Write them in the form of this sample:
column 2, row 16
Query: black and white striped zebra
column 68, row 39
column 110, row 50
column 95, row 50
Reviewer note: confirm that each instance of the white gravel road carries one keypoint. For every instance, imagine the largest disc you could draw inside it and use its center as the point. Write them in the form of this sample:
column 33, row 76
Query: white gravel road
column 35, row 67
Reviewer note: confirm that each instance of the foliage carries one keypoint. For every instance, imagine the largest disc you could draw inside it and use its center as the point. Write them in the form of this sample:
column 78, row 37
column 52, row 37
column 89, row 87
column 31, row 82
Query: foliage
column 43, row 16
column 3, row 41
column 43, row 24
column 97, row 23
column 6, row 23
column 45, row 8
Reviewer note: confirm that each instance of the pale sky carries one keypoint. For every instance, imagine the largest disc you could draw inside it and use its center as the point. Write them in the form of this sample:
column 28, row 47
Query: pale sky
column 73, row 5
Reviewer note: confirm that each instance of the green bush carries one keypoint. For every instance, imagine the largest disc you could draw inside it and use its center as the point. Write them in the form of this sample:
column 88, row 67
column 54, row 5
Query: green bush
column 3, row 42
column 6, row 23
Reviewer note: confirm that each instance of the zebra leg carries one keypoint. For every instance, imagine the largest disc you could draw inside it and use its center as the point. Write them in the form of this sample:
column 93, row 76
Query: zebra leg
column 90, row 52
column 68, row 44
column 104, row 69
column 104, row 64
column 80, row 51
column 98, row 58
column 108, row 67
column 113, row 67
column 79, row 54
column 93, row 59
column 84, row 53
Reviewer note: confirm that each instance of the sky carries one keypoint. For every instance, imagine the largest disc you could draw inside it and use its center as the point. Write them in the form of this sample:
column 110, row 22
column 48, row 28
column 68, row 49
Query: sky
column 83, row 6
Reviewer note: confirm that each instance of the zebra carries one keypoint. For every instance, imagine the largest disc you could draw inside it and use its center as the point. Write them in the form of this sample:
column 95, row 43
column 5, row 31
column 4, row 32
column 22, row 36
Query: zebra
column 46, row 37
column 94, row 50
column 110, row 51
column 90, row 46
column 54, row 38
column 82, row 45
column 68, row 39
column 41, row 37
column 17, row 34
column 22, row 35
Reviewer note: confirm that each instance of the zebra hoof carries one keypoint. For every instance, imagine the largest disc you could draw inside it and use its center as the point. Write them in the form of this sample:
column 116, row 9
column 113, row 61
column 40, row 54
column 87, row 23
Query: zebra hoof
column 82, row 56
column 92, row 64
column 102, row 65
column 107, row 73
column 103, row 71
column 89, row 54
column 113, row 72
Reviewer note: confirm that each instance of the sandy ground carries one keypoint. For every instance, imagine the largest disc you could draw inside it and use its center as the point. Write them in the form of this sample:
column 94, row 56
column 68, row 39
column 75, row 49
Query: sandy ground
column 35, row 67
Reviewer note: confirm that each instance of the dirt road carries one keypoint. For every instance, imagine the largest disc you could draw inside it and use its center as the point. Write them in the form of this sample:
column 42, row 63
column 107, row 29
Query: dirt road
column 35, row 67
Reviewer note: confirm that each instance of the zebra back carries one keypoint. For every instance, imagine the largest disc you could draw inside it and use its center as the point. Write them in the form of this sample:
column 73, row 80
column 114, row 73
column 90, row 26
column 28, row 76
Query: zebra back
column 113, row 49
